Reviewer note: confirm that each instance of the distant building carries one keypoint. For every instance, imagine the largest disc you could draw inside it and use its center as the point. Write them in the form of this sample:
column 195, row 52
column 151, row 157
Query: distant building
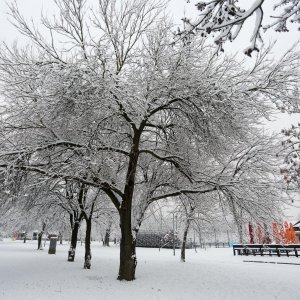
column 297, row 230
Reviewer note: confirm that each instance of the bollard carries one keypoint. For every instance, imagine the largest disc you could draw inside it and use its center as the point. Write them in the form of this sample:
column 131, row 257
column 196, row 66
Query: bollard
column 71, row 254
column 52, row 246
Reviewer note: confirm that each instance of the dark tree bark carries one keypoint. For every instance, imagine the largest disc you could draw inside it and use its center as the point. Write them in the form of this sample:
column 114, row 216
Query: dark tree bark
column 88, row 253
column 183, row 246
column 75, row 234
column 128, row 260
column 88, row 218
column 186, row 229
column 39, row 240
column 75, row 220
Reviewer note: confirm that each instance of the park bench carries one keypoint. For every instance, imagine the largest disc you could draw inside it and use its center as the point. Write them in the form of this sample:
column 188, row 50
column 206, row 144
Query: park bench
column 266, row 249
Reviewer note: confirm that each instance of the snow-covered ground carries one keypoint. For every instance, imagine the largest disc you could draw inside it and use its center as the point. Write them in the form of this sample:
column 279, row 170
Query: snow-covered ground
column 26, row 273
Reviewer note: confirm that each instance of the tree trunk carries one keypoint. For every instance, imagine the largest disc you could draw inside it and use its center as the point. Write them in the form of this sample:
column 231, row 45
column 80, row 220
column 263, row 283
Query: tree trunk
column 128, row 260
column 238, row 220
column 75, row 234
column 238, row 217
column 39, row 240
column 240, row 233
column 88, row 253
column 183, row 246
column 71, row 253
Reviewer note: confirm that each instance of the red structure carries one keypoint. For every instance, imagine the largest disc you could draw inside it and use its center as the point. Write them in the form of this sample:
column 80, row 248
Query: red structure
column 251, row 234
column 283, row 234
column 293, row 237
column 287, row 233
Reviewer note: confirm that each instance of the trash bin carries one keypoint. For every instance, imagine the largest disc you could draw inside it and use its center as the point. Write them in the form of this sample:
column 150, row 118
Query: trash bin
column 52, row 246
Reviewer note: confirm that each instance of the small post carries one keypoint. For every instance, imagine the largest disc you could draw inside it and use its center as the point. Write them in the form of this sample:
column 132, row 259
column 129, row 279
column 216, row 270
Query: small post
column 52, row 245
column 228, row 239
column 71, row 254
column 173, row 235
column 195, row 246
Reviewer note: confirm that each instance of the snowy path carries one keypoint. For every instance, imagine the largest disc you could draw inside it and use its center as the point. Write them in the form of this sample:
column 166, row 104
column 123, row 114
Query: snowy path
column 26, row 273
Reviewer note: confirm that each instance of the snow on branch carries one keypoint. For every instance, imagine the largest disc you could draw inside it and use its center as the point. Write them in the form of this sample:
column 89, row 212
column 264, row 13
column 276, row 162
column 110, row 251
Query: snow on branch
column 182, row 192
column 92, row 181
column 290, row 151
column 224, row 19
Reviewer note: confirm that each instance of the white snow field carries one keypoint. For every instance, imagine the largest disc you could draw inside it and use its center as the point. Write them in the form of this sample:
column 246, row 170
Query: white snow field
column 26, row 273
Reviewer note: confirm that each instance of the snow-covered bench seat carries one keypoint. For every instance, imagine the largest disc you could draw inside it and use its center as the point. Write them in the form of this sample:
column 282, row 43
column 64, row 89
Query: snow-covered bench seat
column 266, row 249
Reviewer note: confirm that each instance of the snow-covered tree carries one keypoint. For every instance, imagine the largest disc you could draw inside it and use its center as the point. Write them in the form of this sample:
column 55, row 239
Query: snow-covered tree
column 189, row 208
column 257, row 191
column 225, row 19
column 290, row 152
column 109, row 102
column 88, row 200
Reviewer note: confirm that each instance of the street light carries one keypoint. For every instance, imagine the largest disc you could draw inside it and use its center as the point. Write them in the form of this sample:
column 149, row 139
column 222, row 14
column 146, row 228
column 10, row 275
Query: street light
column 174, row 229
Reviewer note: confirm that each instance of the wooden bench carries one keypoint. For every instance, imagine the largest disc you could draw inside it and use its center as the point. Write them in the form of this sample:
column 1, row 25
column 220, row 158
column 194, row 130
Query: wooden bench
column 266, row 249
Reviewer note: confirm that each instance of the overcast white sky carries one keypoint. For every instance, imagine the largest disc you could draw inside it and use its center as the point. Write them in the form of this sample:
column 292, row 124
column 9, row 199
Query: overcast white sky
column 179, row 8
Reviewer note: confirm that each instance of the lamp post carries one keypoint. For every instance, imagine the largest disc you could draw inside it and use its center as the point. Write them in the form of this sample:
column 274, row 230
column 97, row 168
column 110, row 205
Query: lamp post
column 173, row 234
column 174, row 230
